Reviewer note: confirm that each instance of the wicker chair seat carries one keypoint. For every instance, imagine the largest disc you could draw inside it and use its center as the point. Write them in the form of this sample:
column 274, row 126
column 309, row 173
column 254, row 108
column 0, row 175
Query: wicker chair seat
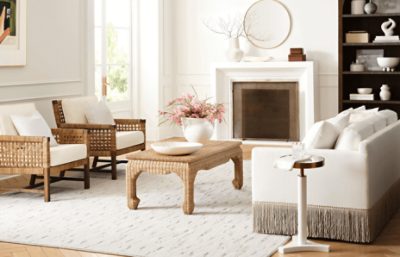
column 129, row 138
column 66, row 153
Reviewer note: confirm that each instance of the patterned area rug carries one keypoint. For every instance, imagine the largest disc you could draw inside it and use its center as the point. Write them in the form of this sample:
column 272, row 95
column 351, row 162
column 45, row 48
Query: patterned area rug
column 98, row 219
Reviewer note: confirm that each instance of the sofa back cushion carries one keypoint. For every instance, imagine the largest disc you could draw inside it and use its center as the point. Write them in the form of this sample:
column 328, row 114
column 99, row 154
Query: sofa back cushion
column 389, row 115
column 6, row 124
column 354, row 134
column 74, row 108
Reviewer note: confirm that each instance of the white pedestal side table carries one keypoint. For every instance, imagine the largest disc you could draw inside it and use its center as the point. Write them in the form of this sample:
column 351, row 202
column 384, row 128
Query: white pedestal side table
column 300, row 243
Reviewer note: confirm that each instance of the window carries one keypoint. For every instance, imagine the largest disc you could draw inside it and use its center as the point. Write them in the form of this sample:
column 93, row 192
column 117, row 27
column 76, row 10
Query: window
column 113, row 49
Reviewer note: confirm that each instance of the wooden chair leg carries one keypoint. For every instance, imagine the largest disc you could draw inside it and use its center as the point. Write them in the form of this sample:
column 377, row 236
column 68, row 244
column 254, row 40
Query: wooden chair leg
column 32, row 181
column 86, row 176
column 114, row 167
column 46, row 182
column 95, row 159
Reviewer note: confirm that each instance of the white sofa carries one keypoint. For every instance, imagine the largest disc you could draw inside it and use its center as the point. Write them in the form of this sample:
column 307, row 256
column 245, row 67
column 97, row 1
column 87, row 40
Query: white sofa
column 350, row 199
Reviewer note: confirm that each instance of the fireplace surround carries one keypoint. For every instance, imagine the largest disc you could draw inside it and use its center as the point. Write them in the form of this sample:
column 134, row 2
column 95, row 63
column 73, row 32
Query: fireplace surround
column 224, row 76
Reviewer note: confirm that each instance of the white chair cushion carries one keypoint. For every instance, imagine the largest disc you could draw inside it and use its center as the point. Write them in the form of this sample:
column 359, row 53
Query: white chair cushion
column 6, row 124
column 62, row 154
column 74, row 108
column 352, row 136
column 33, row 125
column 99, row 113
column 129, row 138
column 390, row 116
column 322, row 135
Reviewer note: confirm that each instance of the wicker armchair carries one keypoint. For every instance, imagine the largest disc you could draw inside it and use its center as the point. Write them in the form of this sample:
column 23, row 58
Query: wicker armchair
column 127, row 135
column 32, row 155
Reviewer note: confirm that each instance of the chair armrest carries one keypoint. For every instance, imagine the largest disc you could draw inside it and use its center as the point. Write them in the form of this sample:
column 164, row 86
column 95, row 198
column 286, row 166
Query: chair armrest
column 24, row 152
column 86, row 126
column 102, row 137
column 130, row 125
column 71, row 136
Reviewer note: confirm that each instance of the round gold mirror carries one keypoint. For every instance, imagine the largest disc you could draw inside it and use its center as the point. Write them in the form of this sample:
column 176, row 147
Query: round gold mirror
column 267, row 24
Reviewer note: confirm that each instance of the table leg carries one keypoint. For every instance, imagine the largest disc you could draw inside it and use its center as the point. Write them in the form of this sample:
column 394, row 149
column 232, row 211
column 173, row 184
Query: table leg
column 131, row 176
column 238, row 180
column 300, row 242
column 188, row 178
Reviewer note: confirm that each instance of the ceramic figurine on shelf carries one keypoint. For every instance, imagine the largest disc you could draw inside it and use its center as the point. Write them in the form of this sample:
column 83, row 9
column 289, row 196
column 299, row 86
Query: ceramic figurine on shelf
column 370, row 7
column 388, row 27
column 385, row 93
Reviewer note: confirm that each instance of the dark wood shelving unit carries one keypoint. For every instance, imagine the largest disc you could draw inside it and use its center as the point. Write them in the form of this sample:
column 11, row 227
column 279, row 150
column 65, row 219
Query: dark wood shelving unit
column 350, row 81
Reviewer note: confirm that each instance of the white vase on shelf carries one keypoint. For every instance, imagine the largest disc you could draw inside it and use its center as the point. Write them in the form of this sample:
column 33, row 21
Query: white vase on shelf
column 357, row 6
column 234, row 53
column 385, row 93
column 197, row 130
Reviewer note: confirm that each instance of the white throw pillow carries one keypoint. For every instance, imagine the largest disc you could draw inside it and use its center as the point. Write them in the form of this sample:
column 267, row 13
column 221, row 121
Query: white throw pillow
column 352, row 136
column 378, row 122
column 33, row 125
column 359, row 115
column 340, row 121
column 390, row 116
column 74, row 108
column 99, row 113
column 322, row 135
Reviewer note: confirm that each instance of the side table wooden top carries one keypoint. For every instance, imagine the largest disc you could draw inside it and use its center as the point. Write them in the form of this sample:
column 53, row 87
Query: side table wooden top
column 312, row 163
column 209, row 149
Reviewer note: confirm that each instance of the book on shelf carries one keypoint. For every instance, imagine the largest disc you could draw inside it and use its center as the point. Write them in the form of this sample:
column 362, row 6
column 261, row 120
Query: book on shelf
column 357, row 37
column 363, row 97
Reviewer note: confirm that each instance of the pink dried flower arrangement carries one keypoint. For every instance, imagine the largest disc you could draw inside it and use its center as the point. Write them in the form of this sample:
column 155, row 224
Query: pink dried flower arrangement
column 190, row 106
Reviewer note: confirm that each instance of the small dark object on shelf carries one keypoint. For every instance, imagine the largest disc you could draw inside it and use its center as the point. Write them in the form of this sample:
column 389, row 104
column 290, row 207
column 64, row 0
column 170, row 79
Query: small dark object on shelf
column 296, row 55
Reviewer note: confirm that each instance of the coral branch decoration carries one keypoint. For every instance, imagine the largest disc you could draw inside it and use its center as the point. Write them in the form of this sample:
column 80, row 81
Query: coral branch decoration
column 231, row 26
column 190, row 106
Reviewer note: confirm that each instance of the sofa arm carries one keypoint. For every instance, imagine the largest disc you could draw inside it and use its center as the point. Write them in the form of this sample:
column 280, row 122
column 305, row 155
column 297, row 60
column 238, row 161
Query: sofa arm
column 19, row 152
column 344, row 175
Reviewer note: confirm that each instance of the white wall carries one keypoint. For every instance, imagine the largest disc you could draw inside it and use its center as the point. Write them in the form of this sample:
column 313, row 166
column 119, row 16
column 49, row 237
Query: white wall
column 56, row 56
column 193, row 47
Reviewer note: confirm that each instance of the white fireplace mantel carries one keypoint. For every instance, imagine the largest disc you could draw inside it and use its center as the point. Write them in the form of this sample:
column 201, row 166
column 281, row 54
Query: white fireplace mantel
column 223, row 75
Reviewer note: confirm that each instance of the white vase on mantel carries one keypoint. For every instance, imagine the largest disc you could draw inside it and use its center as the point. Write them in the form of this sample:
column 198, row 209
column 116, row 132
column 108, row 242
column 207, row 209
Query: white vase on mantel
column 234, row 53
column 197, row 130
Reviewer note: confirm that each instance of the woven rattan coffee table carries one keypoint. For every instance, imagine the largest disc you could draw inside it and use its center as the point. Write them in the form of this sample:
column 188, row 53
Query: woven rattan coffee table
column 214, row 153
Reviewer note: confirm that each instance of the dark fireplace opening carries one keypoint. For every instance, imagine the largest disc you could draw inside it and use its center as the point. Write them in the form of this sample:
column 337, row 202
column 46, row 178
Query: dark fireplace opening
column 266, row 110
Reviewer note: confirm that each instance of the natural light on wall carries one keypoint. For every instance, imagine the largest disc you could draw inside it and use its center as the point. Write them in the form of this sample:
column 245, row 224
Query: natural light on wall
column 113, row 48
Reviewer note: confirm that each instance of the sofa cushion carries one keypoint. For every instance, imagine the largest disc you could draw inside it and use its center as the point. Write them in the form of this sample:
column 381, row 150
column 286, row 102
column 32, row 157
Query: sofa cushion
column 340, row 121
column 390, row 116
column 362, row 114
column 378, row 122
column 351, row 137
column 6, row 124
column 129, row 138
column 74, row 108
column 99, row 113
column 322, row 135
column 62, row 154
column 33, row 125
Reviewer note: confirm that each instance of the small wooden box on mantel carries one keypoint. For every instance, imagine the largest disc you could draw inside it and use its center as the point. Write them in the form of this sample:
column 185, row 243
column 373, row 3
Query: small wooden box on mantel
column 297, row 55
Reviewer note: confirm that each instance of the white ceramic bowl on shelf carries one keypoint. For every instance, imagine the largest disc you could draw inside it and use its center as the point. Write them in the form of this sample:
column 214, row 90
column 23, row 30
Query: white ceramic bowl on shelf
column 364, row 90
column 388, row 62
column 176, row 148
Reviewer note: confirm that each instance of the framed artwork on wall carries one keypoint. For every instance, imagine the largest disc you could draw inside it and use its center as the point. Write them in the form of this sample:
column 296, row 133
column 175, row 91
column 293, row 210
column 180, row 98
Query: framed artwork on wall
column 12, row 32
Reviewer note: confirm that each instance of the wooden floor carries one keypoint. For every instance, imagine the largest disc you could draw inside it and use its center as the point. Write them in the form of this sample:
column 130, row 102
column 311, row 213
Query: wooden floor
column 387, row 244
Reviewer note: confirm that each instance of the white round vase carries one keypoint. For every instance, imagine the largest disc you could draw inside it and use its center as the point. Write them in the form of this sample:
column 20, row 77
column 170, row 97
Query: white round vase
column 385, row 93
column 197, row 130
column 234, row 53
